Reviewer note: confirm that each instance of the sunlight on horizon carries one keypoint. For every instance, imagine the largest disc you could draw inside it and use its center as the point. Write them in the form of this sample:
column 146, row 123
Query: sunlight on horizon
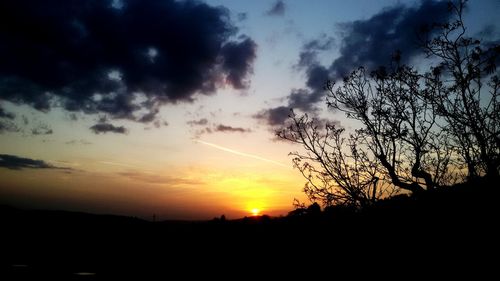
column 255, row 212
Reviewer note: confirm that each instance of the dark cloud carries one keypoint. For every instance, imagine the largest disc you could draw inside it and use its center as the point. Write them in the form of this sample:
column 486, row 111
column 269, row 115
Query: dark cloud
column 316, row 74
column 274, row 116
column 73, row 117
column 6, row 122
column 17, row 163
column 238, row 61
column 306, row 59
column 230, row 129
column 158, row 123
column 372, row 42
column 159, row 179
column 8, row 126
column 305, row 100
column 218, row 128
column 369, row 43
column 310, row 50
column 107, row 127
column 75, row 142
column 150, row 116
column 95, row 56
column 201, row 122
column 242, row 16
column 200, row 132
column 278, row 9
column 487, row 31
column 102, row 119
column 42, row 129
column 322, row 43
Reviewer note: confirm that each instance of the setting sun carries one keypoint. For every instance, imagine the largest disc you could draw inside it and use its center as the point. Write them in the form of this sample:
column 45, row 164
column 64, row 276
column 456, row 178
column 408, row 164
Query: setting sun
column 255, row 212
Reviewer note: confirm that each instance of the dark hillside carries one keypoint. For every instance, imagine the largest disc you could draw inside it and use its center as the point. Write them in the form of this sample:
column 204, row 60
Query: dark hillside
column 456, row 224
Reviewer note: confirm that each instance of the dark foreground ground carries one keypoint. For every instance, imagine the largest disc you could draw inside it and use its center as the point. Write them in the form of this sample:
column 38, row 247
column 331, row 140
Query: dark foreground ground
column 440, row 235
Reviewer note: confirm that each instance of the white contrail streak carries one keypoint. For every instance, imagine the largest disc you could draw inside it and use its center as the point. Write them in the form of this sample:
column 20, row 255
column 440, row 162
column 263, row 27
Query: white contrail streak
column 240, row 153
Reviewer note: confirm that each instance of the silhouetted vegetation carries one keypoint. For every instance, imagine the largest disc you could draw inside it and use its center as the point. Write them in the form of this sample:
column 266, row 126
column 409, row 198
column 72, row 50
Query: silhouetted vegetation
column 452, row 225
column 418, row 131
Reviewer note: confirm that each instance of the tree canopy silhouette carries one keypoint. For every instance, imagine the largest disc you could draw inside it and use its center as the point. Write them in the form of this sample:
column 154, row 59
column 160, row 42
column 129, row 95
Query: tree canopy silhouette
column 418, row 130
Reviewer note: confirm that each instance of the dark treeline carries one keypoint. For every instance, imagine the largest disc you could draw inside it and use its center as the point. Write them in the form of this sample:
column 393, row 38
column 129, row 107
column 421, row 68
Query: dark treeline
column 450, row 228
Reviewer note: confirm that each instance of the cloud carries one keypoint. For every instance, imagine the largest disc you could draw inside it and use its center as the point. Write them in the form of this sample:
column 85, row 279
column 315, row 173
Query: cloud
column 201, row 122
column 278, row 9
column 316, row 74
column 158, row 123
column 159, row 179
column 372, row 42
column 6, row 123
column 8, row 126
column 215, row 128
column 107, row 127
column 18, row 163
column 42, row 129
column 273, row 116
column 238, row 61
column 304, row 99
column 487, row 31
column 150, row 116
column 242, row 16
column 73, row 117
column 81, row 141
column 322, row 43
column 310, row 50
column 199, row 132
column 230, row 129
column 123, row 60
column 369, row 43
column 6, row 115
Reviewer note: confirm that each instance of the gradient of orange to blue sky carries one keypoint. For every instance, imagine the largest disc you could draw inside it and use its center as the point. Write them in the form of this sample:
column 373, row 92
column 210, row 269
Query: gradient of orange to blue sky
column 117, row 123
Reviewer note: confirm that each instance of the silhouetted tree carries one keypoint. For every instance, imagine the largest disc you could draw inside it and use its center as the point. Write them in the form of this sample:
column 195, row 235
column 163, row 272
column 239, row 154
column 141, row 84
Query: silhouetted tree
column 399, row 129
column 335, row 175
column 464, row 89
column 417, row 130
column 314, row 209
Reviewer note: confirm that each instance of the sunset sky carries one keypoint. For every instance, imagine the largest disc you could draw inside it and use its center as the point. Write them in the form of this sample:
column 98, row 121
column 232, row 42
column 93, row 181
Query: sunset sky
column 163, row 107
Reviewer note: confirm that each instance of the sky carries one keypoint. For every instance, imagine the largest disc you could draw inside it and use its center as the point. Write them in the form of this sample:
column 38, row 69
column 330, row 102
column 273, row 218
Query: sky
column 169, row 108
